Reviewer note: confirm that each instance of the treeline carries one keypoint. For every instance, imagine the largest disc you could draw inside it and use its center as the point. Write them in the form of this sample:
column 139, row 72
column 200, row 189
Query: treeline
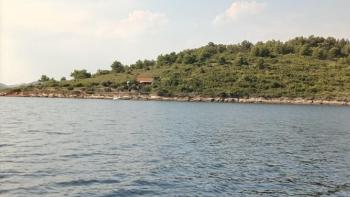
column 317, row 47
column 300, row 67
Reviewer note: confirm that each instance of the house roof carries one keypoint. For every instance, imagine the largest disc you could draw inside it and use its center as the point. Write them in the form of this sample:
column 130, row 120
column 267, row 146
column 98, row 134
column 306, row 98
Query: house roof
column 144, row 78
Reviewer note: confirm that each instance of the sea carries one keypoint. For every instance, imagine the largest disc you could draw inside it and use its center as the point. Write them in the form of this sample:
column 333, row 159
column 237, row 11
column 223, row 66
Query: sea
column 87, row 147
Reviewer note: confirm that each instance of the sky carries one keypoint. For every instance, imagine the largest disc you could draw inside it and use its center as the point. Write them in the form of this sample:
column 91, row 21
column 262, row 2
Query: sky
column 54, row 37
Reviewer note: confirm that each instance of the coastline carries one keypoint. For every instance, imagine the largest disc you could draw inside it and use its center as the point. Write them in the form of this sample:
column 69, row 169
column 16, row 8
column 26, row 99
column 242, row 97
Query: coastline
column 149, row 97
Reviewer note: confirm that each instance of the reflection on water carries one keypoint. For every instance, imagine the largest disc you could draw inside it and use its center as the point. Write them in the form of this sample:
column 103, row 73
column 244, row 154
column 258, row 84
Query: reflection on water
column 56, row 147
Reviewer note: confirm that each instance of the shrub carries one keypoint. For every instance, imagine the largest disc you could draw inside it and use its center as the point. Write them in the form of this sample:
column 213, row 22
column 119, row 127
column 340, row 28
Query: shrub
column 79, row 85
column 106, row 83
column 163, row 92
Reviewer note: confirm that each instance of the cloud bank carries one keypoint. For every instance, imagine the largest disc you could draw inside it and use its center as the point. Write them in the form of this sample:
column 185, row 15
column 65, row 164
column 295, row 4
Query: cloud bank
column 239, row 9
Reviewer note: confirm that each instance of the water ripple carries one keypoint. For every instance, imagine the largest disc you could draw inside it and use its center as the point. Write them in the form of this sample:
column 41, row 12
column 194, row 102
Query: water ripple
column 82, row 182
column 124, row 148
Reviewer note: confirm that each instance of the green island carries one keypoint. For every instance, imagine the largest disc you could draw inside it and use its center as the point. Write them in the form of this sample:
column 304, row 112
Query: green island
column 307, row 68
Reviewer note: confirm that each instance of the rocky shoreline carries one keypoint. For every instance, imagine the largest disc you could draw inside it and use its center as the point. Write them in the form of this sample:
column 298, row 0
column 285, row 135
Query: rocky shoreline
column 133, row 96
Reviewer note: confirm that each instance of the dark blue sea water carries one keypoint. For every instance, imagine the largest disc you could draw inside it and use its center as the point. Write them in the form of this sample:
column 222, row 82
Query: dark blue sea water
column 67, row 147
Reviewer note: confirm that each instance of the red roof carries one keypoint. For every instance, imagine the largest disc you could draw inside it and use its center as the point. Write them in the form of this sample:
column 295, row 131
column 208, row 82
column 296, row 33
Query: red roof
column 144, row 79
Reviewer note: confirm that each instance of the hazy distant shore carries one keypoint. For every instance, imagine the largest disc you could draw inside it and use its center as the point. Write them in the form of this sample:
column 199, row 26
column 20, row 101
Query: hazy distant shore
column 133, row 96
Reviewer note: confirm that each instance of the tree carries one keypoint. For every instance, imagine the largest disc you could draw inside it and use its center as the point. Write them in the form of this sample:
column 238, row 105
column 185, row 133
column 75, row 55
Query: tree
column 205, row 54
column 44, row 78
column 261, row 51
column 138, row 64
column 346, row 50
column 305, row 50
column 63, row 79
column 167, row 59
column 171, row 58
column 80, row 74
column 318, row 53
column 261, row 63
column 117, row 67
column 334, row 52
column 211, row 44
column 222, row 60
column 149, row 63
column 246, row 45
column 265, row 52
column 145, row 64
column 239, row 61
column 102, row 72
column 255, row 51
column 189, row 59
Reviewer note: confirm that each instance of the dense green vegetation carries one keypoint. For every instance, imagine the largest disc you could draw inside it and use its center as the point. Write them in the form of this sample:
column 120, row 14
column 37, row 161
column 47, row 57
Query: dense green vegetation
column 313, row 68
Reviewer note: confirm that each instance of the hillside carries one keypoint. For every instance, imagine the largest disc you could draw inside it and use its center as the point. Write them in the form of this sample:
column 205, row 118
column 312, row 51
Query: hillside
column 311, row 68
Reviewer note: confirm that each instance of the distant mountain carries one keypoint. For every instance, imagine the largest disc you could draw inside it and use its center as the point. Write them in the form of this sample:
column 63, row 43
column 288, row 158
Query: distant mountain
column 2, row 85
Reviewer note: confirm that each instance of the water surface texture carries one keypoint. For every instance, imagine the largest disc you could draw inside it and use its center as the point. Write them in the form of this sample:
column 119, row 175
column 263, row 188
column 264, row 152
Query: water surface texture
column 57, row 147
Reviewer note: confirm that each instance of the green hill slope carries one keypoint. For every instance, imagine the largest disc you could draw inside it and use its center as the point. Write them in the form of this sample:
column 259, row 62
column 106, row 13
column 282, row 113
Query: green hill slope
column 313, row 68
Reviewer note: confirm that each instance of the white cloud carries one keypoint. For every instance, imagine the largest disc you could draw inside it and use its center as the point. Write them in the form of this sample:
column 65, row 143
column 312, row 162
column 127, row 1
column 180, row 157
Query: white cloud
column 138, row 22
column 239, row 9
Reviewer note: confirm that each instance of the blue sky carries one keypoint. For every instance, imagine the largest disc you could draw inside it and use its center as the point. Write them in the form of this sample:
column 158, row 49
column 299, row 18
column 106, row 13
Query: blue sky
column 54, row 37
